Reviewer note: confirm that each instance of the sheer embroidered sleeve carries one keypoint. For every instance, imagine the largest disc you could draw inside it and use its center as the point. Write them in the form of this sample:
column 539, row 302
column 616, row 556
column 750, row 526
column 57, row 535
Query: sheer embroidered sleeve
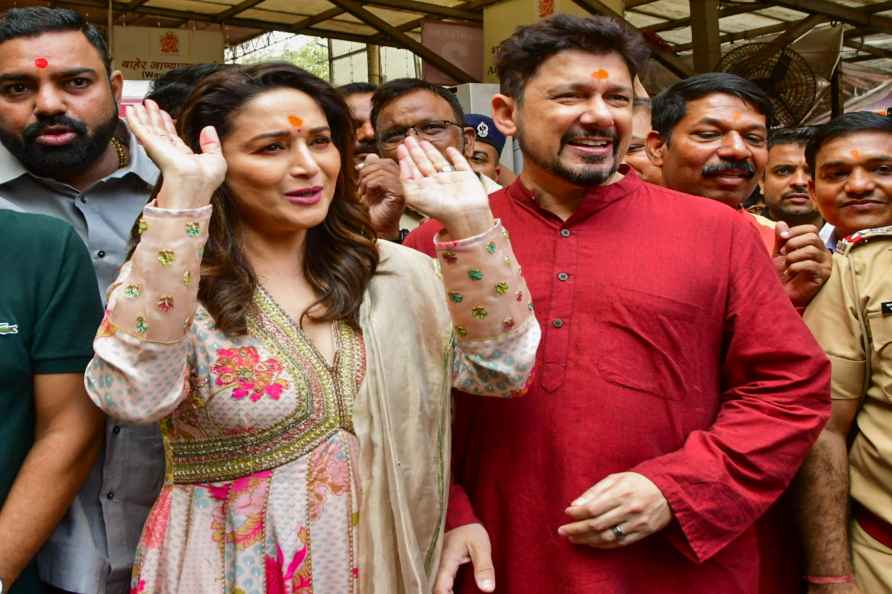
column 142, row 350
column 496, row 332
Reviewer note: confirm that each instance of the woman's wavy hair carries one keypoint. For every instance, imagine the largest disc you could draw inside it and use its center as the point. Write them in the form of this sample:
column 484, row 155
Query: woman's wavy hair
column 340, row 254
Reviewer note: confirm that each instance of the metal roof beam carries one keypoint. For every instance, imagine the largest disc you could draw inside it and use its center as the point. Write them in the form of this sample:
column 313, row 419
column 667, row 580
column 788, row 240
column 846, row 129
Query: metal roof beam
column 235, row 21
column 237, row 9
column 839, row 12
column 724, row 12
column 705, row 34
column 414, row 24
column 665, row 57
column 475, row 4
column 879, row 7
column 322, row 16
column 402, row 5
column 307, row 22
column 872, row 51
column 729, row 37
column 446, row 12
column 401, row 39
column 794, row 31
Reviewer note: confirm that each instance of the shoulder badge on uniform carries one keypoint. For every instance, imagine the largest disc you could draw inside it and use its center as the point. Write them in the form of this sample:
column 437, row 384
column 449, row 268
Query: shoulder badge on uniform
column 862, row 236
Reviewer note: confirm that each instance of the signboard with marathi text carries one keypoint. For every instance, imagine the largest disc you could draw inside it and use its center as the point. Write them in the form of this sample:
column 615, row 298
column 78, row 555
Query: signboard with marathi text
column 145, row 53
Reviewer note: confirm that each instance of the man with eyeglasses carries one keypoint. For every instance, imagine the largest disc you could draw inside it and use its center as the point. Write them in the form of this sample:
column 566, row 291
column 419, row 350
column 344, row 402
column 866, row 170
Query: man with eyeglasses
column 399, row 108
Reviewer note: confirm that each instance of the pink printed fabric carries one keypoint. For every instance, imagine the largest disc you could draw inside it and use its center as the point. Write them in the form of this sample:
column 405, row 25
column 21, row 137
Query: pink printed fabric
column 290, row 530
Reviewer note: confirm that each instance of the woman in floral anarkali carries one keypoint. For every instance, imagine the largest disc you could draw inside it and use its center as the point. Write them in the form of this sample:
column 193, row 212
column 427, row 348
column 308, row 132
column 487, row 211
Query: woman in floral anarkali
column 300, row 370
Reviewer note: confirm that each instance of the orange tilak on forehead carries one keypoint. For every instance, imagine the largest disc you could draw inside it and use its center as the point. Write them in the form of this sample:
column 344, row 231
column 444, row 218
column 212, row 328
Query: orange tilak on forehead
column 600, row 74
column 856, row 154
column 295, row 121
column 41, row 62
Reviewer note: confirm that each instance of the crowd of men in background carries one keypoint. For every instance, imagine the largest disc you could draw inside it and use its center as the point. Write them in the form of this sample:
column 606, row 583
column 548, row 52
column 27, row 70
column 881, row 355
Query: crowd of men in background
column 679, row 391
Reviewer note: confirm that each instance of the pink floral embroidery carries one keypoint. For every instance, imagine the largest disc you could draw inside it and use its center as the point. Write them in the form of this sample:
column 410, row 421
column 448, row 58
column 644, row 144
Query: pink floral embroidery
column 242, row 367
column 328, row 472
column 156, row 523
column 240, row 520
column 297, row 577
column 138, row 588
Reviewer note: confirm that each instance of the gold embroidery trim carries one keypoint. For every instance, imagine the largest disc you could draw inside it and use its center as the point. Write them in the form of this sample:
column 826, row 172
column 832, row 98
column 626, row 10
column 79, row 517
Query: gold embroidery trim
column 227, row 458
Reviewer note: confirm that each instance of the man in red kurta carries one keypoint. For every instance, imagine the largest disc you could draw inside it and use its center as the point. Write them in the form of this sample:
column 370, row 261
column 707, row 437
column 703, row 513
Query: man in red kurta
column 677, row 391
column 710, row 138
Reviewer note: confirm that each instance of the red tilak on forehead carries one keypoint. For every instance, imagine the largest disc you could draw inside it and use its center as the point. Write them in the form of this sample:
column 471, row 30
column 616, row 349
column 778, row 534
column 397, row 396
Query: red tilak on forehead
column 41, row 62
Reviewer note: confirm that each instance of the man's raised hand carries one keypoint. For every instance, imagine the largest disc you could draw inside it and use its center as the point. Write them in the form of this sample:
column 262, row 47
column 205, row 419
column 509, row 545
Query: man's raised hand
column 802, row 261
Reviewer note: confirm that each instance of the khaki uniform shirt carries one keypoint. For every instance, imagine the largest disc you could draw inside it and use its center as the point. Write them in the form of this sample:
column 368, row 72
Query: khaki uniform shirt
column 852, row 320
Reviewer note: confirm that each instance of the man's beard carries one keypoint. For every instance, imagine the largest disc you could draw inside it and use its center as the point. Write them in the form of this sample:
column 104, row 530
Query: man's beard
column 60, row 162
column 580, row 175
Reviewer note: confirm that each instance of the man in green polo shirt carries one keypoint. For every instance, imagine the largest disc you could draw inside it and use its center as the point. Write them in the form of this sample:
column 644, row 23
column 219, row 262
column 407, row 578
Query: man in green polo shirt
column 50, row 432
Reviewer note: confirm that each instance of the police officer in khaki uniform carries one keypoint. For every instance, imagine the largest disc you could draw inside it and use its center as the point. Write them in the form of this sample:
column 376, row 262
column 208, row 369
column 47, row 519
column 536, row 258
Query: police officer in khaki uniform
column 846, row 483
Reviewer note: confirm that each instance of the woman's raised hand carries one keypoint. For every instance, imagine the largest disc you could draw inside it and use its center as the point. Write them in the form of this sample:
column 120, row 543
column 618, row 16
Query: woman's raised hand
column 190, row 179
column 449, row 192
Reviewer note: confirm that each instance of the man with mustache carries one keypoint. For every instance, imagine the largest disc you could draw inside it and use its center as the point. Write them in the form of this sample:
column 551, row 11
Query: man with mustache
column 851, row 553
column 358, row 96
column 677, row 390
column 786, row 178
column 66, row 154
column 710, row 137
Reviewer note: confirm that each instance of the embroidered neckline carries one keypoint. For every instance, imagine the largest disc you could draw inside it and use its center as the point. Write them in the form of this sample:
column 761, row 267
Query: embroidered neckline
column 324, row 404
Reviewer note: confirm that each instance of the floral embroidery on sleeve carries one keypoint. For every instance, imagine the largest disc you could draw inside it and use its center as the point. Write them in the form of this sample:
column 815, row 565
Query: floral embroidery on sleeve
column 242, row 368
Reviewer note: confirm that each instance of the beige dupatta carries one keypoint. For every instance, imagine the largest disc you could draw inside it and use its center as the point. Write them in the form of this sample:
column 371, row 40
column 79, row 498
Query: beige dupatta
column 402, row 420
